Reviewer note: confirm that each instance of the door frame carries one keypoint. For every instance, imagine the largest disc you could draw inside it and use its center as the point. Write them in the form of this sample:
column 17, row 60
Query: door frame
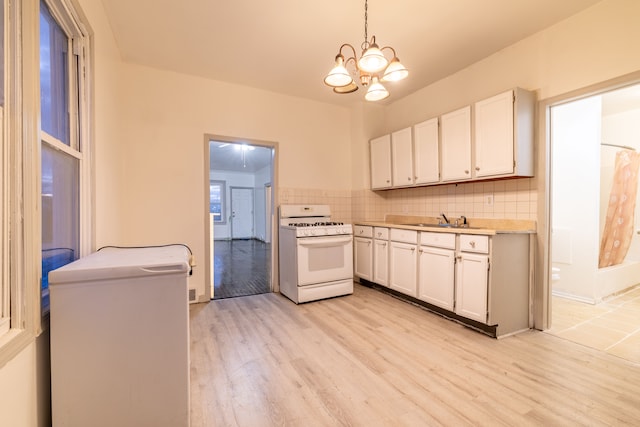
column 272, row 224
column 541, row 308
column 253, row 202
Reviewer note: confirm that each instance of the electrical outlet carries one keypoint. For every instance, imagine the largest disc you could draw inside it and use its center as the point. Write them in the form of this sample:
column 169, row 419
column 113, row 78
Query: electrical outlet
column 488, row 200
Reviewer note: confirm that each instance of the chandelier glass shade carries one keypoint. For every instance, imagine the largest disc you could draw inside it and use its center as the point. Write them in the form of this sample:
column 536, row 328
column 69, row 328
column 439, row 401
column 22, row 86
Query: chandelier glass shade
column 369, row 70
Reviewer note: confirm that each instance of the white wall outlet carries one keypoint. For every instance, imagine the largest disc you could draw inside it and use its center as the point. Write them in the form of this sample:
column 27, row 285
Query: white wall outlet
column 488, row 200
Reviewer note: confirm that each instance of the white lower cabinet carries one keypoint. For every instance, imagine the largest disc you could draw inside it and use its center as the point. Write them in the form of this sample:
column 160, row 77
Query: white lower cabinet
column 436, row 279
column 403, row 261
column 472, row 277
column 363, row 252
column 381, row 256
column 436, row 266
column 478, row 277
column 471, row 286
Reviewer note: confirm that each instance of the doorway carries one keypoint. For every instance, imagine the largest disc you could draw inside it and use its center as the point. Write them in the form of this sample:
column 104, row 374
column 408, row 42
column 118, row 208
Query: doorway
column 241, row 175
column 594, row 150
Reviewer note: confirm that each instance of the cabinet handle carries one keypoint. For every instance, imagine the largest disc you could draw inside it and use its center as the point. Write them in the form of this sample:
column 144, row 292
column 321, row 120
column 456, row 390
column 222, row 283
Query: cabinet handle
column 384, row 245
column 369, row 243
column 415, row 177
column 477, row 168
column 421, row 251
column 413, row 250
column 467, row 172
column 409, row 178
column 472, row 244
column 388, row 181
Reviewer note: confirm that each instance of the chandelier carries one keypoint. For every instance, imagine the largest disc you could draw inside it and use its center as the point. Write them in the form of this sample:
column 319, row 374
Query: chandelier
column 372, row 69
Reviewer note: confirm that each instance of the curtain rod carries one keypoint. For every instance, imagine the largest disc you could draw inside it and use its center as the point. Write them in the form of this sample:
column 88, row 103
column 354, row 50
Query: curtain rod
column 625, row 147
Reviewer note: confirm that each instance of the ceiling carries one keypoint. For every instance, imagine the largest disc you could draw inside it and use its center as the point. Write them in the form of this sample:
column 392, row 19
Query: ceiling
column 288, row 46
column 237, row 157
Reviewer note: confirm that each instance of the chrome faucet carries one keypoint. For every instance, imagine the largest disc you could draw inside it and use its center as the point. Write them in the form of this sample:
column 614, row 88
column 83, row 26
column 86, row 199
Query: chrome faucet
column 462, row 221
column 443, row 217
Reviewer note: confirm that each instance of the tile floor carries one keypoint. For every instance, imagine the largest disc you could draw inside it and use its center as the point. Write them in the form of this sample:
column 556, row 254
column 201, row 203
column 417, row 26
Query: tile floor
column 612, row 326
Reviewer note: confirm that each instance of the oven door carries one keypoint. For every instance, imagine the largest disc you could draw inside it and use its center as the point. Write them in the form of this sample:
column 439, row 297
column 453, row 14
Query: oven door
column 324, row 259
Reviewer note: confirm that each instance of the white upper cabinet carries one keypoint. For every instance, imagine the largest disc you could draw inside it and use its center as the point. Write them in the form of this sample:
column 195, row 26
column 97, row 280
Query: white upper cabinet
column 425, row 145
column 401, row 158
column 504, row 135
column 456, row 145
column 381, row 162
column 497, row 143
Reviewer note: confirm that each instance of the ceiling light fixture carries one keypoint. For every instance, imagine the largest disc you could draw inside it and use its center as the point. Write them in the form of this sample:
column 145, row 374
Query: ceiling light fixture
column 372, row 68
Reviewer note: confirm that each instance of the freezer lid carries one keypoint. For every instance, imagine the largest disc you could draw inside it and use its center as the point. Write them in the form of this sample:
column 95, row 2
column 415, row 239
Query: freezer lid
column 123, row 263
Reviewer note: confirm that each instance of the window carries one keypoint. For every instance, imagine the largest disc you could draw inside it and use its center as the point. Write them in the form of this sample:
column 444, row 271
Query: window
column 61, row 153
column 217, row 193
column 45, row 190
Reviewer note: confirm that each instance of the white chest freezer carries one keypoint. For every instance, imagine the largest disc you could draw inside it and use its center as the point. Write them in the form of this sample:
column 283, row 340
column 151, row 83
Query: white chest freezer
column 120, row 339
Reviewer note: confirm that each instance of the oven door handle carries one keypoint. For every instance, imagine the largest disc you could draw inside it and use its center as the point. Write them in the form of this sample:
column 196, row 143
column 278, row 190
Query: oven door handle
column 324, row 242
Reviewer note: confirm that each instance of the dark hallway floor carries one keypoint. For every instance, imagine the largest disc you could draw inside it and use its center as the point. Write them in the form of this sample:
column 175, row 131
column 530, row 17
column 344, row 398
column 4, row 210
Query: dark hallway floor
column 241, row 267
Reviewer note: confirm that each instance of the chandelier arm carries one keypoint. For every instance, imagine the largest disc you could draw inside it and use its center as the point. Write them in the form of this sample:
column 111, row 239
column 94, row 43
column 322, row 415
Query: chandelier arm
column 392, row 50
column 345, row 45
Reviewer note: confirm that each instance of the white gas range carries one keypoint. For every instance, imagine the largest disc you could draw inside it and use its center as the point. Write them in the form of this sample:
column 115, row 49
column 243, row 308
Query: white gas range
column 315, row 253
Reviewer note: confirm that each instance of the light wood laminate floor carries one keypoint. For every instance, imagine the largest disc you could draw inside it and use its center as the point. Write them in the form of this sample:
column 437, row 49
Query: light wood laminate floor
column 369, row 359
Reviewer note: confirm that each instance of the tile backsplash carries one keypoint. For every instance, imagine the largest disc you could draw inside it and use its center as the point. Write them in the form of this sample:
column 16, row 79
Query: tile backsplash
column 502, row 199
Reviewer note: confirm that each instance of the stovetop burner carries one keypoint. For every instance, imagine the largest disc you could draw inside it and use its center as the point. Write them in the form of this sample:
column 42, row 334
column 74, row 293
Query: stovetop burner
column 316, row 224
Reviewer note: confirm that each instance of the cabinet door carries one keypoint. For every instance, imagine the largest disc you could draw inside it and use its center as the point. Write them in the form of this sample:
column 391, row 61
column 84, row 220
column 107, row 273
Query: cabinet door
column 403, row 259
column 456, row 145
column 401, row 158
column 425, row 145
column 381, row 162
column 363, row 258
column 494, row 139
column 381, row 262
column 472, row 275
column 435, row 276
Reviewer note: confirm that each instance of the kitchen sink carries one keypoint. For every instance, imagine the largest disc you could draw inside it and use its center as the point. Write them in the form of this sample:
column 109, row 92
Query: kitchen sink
column 462, row 227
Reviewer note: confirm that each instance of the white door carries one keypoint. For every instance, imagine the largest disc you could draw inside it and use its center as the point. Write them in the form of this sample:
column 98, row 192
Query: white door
column 472, row 275
column 241, row 213
column 381, row 262
column 436, row 267
column 425, row 144
column 456, row 144
column 401, row 158
column 494, row 135
column 381, row 162
column 363, row 252
column 403, row 258
column 268, row 212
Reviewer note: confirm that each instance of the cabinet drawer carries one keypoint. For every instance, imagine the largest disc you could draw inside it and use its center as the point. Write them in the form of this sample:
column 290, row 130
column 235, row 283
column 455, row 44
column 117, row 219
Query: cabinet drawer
column 474, row 243
column 362, row 231
column 381, row 233
column 406, row 236
column 438, row 240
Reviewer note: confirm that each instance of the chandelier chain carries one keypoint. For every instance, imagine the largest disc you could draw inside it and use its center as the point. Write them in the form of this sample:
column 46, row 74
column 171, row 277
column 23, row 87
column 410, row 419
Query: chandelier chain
column 365, row 43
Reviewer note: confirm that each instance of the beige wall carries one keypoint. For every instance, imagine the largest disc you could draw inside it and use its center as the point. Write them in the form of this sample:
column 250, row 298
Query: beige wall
column 164, row 118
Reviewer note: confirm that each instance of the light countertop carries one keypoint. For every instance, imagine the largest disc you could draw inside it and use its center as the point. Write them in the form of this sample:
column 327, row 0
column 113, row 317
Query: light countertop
column 480, row 226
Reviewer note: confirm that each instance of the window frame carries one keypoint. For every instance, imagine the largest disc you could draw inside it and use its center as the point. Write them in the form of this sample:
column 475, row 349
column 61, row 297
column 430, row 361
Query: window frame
column 223, row 200
column 21, row 160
